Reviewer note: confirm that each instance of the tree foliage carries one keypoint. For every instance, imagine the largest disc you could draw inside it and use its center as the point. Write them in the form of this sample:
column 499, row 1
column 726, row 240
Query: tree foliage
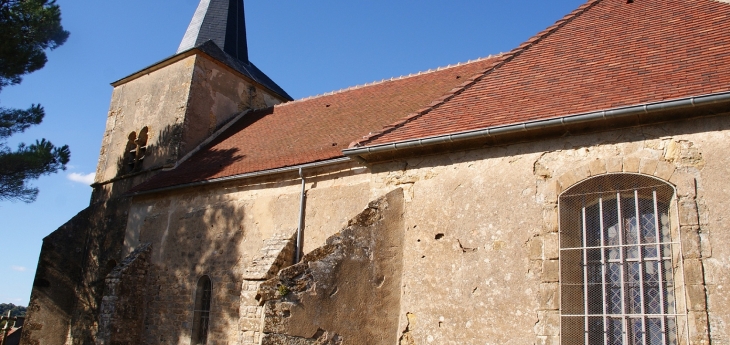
column 27, row 29
column 15, row 310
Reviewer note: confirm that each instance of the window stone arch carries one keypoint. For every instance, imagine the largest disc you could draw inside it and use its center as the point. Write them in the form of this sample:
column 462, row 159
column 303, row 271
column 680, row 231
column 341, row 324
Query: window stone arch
column 544, row 247
column 621, row 272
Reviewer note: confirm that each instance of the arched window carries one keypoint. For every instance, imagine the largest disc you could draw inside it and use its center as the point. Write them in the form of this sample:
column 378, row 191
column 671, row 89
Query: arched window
column 620, row 263
column 130, row 152
column 201, row 314
column 136, row 150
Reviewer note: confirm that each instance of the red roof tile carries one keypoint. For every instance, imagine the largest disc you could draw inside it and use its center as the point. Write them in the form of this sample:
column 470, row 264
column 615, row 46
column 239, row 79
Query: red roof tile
column 606, row 54
column 315, row 129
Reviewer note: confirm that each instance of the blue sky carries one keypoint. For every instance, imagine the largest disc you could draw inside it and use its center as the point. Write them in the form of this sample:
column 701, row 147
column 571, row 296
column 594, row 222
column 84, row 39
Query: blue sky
column 307, row 47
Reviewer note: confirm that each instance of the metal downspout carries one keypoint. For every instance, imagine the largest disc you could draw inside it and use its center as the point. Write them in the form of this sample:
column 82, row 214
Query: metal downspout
column 300, row 229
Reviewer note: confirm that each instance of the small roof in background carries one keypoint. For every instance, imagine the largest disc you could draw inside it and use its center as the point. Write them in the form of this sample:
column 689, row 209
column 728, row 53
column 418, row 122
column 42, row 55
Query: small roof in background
column 314, row 129
column 605, row 54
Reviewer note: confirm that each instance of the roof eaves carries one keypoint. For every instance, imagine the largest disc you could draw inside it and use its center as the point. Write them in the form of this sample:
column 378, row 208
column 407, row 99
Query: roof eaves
column 502, row 60
column 722, row 98
column 267, row 172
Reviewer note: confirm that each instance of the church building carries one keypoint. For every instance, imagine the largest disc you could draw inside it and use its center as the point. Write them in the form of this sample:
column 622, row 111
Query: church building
column 574, row 190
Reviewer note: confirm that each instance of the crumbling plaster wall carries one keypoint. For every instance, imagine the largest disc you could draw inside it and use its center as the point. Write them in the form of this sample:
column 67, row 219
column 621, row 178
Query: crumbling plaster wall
column 480, row 237
column 346, row 291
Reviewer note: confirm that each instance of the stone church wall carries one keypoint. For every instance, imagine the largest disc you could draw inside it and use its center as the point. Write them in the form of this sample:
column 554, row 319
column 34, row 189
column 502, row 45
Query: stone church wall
column 69, row 281
column 480, row 257
column 219, row 232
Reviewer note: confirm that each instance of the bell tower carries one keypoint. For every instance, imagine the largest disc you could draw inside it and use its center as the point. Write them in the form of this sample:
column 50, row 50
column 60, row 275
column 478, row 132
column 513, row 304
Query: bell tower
column 161, row 113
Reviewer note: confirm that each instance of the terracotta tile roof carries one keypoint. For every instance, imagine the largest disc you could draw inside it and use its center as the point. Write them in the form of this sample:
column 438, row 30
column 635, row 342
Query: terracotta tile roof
column 314, row 129
column 605, row 54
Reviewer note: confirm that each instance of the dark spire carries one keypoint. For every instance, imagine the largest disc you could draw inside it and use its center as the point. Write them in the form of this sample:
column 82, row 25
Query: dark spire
column 220, row 21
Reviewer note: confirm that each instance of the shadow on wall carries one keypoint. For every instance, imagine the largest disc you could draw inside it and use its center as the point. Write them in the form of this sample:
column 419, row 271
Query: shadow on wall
column 140, row 162
column 138, row 156
column 190, row 240
column 69, row 279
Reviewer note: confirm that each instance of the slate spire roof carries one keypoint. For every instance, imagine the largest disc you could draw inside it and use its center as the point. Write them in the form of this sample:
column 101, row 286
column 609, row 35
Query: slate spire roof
column 220, row 21
column 218, row 28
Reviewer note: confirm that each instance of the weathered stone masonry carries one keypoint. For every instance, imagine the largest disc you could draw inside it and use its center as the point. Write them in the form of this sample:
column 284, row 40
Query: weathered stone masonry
column 277, row 253
column 345, row 292
column 121, row 318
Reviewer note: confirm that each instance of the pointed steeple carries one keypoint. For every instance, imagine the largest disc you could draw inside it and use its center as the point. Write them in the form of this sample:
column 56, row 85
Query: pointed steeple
column 220, row 21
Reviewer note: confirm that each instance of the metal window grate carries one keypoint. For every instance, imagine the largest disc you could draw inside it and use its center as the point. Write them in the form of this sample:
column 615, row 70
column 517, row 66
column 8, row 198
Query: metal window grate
column 620, row 258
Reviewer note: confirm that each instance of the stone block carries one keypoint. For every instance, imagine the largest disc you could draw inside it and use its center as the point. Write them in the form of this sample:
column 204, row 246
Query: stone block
column 549, row 297
column 548, row 323
column 548, row 340
column 549, row 191
column 688, row 215
column 550, row 218
column 248, row 298
column 631, row 164
column 581, row 173
column 705, row 245
column 696, row 297
column 685, row 183
column 567, row 180
column 534, row 247
column 693, row 272
column 648, row 166
column 597, row 167
column 614, row 165
column 664, row 170
column 550, row 271
column 250, row 324
column 691, row 245
column 551, row 246
column 698, row 328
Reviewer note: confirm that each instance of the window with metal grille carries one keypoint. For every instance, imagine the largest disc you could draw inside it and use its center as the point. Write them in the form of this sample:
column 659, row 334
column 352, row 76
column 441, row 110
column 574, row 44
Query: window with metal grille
column 620, row 263
column 201, row 315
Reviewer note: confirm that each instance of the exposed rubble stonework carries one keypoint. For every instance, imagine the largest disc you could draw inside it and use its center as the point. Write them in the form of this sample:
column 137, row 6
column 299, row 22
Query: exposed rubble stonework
column 347, row 291
column 278, row 252
column 122, row 307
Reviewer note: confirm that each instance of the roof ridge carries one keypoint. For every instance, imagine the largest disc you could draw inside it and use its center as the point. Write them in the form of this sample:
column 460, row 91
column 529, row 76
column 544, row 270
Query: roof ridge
column 383, row 81
column 504, row 59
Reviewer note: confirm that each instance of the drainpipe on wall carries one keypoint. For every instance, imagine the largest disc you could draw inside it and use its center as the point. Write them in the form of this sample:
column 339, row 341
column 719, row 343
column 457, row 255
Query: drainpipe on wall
column 300, row 229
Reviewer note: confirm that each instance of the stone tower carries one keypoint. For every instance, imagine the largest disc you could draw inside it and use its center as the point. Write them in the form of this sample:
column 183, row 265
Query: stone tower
column 163, row 112
column 157, row 116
